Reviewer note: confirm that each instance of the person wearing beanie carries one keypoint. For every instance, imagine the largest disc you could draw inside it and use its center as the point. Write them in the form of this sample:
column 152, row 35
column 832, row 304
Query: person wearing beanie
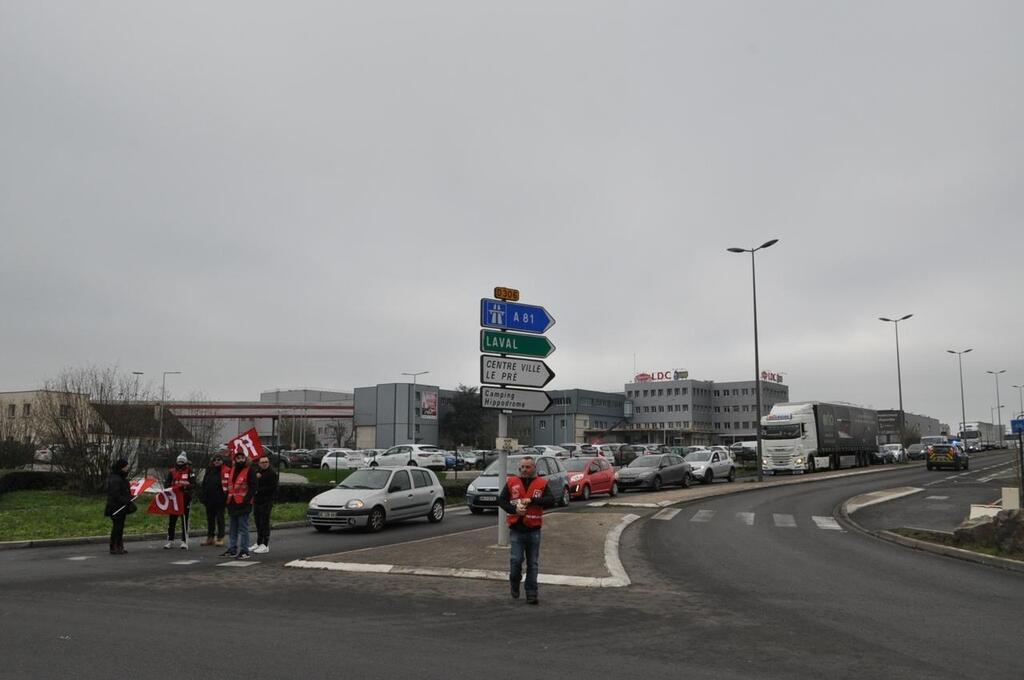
column 215, row 498
column 119, row 504
column 181, row 475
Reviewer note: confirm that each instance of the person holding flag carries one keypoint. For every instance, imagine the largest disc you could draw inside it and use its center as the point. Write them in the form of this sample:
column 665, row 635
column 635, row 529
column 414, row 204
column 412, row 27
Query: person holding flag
column 182, row 477
column 215, row 498
column 239, row 505
column 119, row 504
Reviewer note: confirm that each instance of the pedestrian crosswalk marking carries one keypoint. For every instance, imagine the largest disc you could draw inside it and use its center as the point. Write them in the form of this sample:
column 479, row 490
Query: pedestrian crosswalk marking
column 80, row 558
column 236, row 563
column 784, row 521
column 666, row 514
column 827, row 523
column 936, row 498
column 703, row 516
column 746, row 518
column 186, row 562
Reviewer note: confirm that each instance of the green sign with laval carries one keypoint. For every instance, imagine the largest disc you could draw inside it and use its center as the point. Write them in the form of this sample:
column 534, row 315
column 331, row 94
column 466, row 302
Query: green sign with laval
column 518, row 344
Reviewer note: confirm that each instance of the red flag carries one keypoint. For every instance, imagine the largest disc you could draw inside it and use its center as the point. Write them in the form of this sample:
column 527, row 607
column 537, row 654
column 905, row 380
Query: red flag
column 168, row 502
column 247, row 442
column 140, row 485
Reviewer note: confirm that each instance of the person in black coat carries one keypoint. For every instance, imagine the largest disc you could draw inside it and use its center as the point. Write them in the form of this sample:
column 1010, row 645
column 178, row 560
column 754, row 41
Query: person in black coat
column 215, row 498
column 263, row 502
column 119, row 504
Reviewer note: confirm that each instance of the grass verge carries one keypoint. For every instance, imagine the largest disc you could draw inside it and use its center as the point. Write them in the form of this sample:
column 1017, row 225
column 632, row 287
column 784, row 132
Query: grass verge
column 32, row 515
column 947, row 540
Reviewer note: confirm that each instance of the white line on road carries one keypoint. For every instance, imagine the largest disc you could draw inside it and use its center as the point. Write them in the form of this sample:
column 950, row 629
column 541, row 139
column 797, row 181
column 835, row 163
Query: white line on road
column 936, row 498
column 666, row 514
column 80, row 558
column 185, row 562
column 827, row 523
column 746, row 518
column 236, row 563
column 597, row 504
column 703, row 516
column 784, row 521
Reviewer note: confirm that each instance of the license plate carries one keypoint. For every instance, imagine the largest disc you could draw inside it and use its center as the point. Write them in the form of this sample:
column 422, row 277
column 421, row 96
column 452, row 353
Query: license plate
column 488, row 499
column 328, row 514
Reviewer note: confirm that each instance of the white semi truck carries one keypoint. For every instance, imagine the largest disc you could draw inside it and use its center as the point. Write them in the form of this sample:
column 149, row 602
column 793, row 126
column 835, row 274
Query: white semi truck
column 808, row 436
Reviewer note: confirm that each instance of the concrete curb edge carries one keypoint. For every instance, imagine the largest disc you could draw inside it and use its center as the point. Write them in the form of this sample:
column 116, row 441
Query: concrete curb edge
column 129, row 538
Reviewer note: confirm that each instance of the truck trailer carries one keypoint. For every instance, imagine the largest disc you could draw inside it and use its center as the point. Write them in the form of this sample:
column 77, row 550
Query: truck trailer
column 814, row 435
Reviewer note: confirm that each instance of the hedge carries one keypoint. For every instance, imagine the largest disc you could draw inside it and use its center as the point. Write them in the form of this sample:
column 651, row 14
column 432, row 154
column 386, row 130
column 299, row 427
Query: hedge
column 31, row 480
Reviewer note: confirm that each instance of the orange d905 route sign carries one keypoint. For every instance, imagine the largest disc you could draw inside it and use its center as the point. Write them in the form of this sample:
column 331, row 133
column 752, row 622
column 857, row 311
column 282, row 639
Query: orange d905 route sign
column 508, row 294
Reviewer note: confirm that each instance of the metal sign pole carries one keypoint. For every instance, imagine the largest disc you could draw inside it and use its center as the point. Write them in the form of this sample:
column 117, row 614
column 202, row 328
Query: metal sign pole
column 1020, row 465
column 502, row 480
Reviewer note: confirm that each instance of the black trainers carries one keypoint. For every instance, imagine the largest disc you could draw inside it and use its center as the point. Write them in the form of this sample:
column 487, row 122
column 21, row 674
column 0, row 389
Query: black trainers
column 515, row 591
column 531, row 598
column 243, row 556
column 228, row 553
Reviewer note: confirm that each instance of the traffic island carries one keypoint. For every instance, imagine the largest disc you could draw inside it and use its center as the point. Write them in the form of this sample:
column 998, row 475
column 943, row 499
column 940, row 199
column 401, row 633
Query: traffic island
column 579, row 550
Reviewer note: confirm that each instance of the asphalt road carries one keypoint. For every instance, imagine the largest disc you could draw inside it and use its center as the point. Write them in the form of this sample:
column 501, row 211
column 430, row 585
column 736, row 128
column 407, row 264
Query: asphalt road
column 716, row 598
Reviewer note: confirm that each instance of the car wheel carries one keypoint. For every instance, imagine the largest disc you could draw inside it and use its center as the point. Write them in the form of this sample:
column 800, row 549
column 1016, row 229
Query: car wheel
column 732, row 474
column 656, row 484
column 614, row 491
column 413, row 463
column 436, row 511
column 324, row 467
column 322, row 530
column 586, row 492
column 566, row 497
column 284, row 465
column 476, row 511
column 375, row 522
column 373, row 463
column 967, row 465
column 685, row 484
column 928, row 466
column 709, row 477
column 811, row 466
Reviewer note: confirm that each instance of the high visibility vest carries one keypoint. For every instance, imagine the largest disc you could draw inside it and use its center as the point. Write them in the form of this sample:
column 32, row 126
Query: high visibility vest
column 181, row 477
column 238, row 487
column 534, row 516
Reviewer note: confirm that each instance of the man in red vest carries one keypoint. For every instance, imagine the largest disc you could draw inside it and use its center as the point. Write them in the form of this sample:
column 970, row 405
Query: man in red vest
column 240, row 490
column 524, row 499
column 183, row 476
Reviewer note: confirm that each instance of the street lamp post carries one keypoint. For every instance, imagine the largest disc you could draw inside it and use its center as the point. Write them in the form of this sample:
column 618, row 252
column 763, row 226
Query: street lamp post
column 899, row 375
column 757, row 358
column 963, row 408
column 999, row 405
column 412, row 408
column 163, row 392
column 1020, row 393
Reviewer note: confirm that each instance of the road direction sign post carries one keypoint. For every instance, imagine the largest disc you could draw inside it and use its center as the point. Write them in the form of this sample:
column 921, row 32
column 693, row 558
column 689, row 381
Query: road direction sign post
column 514, row 400
column 511, row 372
column 497, row 342
column 514, row 316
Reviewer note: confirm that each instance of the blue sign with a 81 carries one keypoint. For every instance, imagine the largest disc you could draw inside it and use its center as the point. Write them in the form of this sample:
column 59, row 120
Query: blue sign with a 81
column 514, row 316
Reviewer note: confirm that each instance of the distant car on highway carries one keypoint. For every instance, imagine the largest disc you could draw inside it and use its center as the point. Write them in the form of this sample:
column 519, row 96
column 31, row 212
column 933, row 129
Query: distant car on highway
column 482, row 493
column 897, row 452
column 374, row 496
column 588, row 476
column 654, row 471
column 917, row 452
column 709, row 465
column 947, row 455
column 881, row 456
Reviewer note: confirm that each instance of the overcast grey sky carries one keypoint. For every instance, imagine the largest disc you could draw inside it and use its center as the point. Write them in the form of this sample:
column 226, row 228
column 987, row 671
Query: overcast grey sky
column 319, row 193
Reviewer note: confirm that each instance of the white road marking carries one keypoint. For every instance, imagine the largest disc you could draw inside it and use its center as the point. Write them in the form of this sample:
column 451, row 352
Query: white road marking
column 597, row 504
column 703, row 516
column 185, row 562
column 746, row 518
column 666, row 514
column 784, row 521
column 81, row 558
column 936, row 498
column 238, row 563
column 827, row 523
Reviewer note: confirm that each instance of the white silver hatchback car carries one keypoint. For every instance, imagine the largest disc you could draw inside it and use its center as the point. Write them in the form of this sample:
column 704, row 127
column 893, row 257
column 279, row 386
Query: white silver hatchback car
column 372, row 497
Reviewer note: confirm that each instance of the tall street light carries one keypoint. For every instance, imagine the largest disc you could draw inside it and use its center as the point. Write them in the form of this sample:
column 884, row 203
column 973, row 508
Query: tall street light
column 412, row 409
column 163, row 393
column 899, row 377
column 963, row 409
column 1020, row 392
column 757, row 358
column 999, row 404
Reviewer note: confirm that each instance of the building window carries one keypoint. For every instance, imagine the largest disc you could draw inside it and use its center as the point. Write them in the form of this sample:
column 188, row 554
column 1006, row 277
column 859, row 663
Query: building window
column 26, row 410
column 718, row 426
column 735, row 409
column 677, row 391
column 718, row 409
column 686, row 407
column 736, row 392
column 563, row 424
column 661, row 409
column 727, row 425
column 12, row 410
column 645, row 393
column 745, row 408
column 686, row 423
column 716, row 393
column 746, row 425
column 684, row 390
column 542, row 425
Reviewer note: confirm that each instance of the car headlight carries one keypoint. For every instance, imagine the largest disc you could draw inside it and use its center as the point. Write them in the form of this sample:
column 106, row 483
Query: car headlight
column 798, row 461
column 471, row 488
column 354, row 504
column 575, row 478
column 313, row 505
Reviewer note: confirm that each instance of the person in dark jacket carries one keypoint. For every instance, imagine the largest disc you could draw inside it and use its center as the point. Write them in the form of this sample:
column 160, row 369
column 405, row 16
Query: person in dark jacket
column 524, row 498
column 119, row 504
column 183, row 476
column 215, row 498
column 241, row 486
column 263, row 503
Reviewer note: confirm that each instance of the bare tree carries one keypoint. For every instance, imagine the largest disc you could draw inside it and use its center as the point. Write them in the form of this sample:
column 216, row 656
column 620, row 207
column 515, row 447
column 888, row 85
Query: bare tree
column 338, row 431
column 16, row 446
column 295, row 432
column 94, row 417
column 206, row 431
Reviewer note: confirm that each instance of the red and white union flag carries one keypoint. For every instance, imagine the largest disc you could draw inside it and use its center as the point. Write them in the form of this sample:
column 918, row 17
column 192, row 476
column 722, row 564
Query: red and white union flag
column 249, row 442
column 168, row 502
column 140, row 485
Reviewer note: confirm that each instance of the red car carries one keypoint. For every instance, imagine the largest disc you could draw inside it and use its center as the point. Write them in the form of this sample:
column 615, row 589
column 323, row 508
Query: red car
column 588, row 476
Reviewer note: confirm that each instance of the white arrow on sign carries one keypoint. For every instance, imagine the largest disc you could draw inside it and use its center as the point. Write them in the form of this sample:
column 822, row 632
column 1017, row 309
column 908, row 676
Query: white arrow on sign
column 515, row 372
column 514, row 400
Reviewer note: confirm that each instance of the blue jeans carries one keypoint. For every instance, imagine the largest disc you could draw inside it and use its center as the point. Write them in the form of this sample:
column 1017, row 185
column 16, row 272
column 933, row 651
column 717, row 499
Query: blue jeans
column 524, row 545
column 239, row 533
